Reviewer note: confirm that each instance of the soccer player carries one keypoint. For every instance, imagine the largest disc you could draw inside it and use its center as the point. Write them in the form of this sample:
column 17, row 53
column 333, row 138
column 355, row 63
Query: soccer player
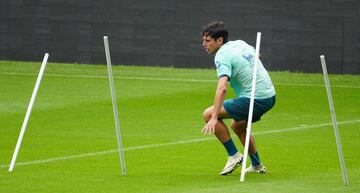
column 234, row 62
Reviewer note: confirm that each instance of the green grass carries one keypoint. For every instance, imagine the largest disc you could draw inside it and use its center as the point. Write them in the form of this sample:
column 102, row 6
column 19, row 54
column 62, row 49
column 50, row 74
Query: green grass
column 159, row 109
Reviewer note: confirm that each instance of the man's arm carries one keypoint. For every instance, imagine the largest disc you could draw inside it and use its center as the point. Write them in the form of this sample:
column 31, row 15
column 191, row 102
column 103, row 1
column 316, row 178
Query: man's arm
column 218, row 102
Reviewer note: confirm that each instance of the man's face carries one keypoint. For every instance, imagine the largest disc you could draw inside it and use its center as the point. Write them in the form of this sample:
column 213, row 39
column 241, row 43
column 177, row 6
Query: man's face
column 210, row 45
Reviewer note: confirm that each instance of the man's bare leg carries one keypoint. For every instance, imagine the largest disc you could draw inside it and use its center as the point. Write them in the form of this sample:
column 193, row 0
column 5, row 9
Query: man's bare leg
column 221, row 130
column 222, row 133
column 240, row 130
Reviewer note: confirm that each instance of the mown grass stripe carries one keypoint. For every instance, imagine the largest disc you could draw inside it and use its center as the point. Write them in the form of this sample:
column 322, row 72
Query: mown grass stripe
column 162, row 79
column 173, row 143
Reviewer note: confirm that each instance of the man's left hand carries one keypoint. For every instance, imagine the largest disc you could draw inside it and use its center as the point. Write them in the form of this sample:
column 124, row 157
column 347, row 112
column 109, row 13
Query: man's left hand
column 209, row 127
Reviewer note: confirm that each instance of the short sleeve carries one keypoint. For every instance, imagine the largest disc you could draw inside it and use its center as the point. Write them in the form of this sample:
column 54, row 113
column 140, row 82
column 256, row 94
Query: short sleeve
column 223, row 67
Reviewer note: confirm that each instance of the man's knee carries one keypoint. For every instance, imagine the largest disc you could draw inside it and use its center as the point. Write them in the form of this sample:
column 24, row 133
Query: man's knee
column 207, row 114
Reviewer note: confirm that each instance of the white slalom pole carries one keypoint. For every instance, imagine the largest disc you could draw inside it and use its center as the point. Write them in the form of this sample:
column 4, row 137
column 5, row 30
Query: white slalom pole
column 333, row 116
column 28, row 112
column 113, row 97
column 251, row 108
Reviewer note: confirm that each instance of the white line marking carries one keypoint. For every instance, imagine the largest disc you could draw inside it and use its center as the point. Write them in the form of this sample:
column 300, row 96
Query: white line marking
column 301, row 127
column 316, row 85
column 104, row 77
column 162, row 79
column 304, row 127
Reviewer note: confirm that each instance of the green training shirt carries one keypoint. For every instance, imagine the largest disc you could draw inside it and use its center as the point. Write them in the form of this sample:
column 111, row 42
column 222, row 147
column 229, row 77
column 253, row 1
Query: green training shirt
column 235, row 59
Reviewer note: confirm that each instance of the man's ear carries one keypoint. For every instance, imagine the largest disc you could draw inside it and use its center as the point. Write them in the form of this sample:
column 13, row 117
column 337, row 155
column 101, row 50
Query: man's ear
column 220, row 40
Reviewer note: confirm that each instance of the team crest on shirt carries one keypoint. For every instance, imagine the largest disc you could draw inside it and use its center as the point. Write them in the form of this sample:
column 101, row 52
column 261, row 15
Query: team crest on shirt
column 248, row 57
column 218, row 64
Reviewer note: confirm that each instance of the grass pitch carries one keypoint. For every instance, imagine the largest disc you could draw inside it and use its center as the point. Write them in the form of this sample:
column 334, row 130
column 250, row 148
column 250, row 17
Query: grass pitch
column 70, row 142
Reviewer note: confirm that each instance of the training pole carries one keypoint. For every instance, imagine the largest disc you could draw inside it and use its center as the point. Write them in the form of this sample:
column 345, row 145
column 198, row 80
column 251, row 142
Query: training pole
column 113, row 97
column 333, row 117
column 28, row 112
column 251, row 108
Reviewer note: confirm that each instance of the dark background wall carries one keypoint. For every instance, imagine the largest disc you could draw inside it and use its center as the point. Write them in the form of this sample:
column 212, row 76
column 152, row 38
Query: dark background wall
column 167, row 32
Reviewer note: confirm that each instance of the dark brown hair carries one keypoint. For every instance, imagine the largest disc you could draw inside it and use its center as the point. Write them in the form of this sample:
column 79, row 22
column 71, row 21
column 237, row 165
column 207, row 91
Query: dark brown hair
column 215, row 30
